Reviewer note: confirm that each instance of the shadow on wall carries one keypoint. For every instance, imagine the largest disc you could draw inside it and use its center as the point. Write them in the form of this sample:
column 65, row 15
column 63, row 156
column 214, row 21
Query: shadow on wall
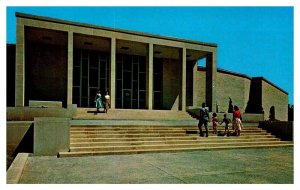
column 254, row 104
column 272, row 114
column 25, row 145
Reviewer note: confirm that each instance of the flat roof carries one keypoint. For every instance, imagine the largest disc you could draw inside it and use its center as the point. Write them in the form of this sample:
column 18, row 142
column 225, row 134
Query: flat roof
column 60, row 21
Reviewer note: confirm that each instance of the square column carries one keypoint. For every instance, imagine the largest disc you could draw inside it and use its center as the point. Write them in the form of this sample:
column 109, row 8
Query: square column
column 20, row 65
column 183, row 81
column 70, row 69
column 149, row 78
column 113, row 73
column 211, row 72
column 195, row 70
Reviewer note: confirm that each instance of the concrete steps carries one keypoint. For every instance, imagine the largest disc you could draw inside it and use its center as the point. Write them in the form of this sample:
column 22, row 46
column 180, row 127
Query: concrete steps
column 95, row 153
column 105, row 140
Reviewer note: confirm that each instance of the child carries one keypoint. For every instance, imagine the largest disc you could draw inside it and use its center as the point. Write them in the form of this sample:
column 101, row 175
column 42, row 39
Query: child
column 215, row 123
column 226, row 121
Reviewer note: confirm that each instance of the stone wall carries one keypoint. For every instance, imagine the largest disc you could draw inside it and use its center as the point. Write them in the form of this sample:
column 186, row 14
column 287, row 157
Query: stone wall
column 272, row 96
column 233, row 86
column 199, row 88
column 227, row 85
column 171, row 84
column 262, row 97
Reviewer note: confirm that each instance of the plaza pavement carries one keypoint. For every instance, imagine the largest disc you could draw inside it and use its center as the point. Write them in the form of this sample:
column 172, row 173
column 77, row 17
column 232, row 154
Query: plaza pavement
column 235, row 166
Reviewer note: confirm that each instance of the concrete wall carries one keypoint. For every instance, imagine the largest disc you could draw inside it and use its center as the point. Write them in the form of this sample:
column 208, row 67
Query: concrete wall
column 171, row 84
column 272, row 96
column 51, row 135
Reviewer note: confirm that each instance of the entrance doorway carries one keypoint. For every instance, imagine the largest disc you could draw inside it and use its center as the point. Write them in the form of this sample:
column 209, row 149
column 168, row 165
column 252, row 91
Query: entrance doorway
column 90, row 73
column 130, row 82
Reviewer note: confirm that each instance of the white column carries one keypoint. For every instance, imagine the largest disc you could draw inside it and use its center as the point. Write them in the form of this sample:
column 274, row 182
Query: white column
column 183, row 85
column 70, row 69
column 20, row 65
column 149, row 78
column 113, row 73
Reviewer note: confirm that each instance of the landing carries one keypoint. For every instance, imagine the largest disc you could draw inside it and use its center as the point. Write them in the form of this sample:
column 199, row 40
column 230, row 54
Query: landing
column 132, row 114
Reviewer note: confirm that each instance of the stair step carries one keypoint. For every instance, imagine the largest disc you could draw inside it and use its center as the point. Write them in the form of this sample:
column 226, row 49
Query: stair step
column 94, row 153
column 149, row 129
column 126, row 127
column 169, row 146
column 190, row 137
column 200, row 140
column 106, row 139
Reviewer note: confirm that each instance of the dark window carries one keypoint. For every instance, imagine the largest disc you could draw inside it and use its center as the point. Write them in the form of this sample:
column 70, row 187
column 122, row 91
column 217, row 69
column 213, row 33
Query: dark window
column 94, row 59
column 76, row 76
column 142, row 81
column 93, row 77
column 126, row 80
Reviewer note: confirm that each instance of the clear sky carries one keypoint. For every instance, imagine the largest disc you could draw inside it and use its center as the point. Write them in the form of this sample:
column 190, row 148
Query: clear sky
column 256, row 41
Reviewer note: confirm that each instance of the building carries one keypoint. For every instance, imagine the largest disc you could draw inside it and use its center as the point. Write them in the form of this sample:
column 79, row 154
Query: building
column 58, row 60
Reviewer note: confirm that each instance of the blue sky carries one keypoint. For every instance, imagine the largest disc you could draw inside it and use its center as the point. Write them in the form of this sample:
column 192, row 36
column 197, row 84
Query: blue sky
column 256, row 41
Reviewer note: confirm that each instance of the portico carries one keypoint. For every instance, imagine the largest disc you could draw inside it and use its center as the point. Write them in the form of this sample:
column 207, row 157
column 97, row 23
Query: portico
column 59, row 60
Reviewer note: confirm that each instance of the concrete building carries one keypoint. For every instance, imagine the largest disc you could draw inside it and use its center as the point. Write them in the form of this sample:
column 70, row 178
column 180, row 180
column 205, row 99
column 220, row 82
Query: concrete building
column 63, row 61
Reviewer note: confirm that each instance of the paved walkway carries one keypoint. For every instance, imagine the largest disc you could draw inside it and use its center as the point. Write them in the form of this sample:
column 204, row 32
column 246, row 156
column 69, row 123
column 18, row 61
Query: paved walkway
column 243, row 166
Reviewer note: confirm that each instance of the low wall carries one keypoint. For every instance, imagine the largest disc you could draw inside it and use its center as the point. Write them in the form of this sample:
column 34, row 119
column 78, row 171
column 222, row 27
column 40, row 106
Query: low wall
column 29, row 113
column 45, row 104
column 15, row 171
column 51, row 135
column 281, row 129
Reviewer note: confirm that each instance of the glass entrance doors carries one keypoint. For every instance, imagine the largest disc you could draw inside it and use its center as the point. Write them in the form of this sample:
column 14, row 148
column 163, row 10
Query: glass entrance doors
column 130, row 82
column 90, row 73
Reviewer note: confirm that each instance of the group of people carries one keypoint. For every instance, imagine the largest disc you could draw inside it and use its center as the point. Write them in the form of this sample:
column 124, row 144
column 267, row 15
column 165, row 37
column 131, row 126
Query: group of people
column 102, row 102
column 236, row 121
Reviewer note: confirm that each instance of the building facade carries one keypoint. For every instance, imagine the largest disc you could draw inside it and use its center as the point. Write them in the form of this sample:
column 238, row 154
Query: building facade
column 66, row 61
column 58, row 60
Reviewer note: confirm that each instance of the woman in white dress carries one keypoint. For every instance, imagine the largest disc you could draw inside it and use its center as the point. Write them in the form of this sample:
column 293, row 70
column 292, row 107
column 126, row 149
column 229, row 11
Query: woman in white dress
column 107, row 101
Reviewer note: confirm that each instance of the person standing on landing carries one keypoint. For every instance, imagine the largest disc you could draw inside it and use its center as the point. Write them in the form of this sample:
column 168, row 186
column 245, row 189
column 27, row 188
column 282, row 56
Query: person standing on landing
column 98, row 100
column 215, row 123
column 203, row 120
column 236, row 121
column 107, row 101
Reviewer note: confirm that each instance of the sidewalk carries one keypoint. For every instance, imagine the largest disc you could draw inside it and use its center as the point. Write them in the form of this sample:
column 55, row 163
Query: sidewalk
column 242, row 166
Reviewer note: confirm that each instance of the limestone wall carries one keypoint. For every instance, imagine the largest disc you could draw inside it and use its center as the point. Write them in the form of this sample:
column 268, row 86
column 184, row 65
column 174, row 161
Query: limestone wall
column 236, row 87
column 199, row 88
column 272, row 96
column 171, row 84
column 227, row 85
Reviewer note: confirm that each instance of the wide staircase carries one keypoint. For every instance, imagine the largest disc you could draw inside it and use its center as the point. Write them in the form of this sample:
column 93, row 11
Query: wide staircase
column 87, row 140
